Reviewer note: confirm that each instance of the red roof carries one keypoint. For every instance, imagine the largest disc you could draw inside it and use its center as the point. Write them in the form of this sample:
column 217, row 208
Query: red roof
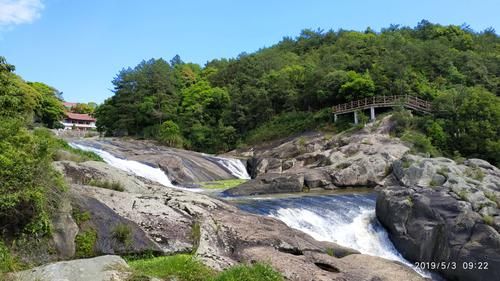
column 69, row 104
column 81, row 117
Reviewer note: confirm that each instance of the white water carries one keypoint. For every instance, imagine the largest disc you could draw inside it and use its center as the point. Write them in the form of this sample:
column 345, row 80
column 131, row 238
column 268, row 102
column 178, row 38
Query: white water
column 358, row 234
column 134, row 167
column 348, row 220
column 234, row 166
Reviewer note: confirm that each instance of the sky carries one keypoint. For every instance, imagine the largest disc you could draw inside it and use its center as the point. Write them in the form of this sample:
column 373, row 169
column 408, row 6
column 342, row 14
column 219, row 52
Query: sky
column 78, row 47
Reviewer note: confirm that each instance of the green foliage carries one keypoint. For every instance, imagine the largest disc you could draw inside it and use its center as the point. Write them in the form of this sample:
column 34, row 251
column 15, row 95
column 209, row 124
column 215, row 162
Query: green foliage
column 195, row 236
column 475, row 173
column 272, row 93
column 80, row 217
column 49, row 109
column 282, row 126
column 470, row 118
column 222, row 184
column 420, row 143
column 402, row 121
column 108, row 184
column 8, row 262
column 30, row 186
column 77, row 155
column 187, row 268
column 170, row 134
column 122, row 233
column 178, row 267
column 489, row 220
column 85, row 243
column 255, row 272
column 84, row 108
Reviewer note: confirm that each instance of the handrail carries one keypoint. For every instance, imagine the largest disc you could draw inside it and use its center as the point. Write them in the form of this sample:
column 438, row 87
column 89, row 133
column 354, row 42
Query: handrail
column 409, row 101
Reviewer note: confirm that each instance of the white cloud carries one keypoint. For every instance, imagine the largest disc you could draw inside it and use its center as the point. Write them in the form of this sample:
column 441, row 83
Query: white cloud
column 14, row 12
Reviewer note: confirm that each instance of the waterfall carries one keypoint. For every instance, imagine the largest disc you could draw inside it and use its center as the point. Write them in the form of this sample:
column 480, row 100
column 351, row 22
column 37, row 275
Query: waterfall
column 233, row 166
column 134, row 167
column 348, row 220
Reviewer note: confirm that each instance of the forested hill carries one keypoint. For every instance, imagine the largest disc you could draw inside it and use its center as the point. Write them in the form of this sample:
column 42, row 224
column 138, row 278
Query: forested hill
column 289, row 86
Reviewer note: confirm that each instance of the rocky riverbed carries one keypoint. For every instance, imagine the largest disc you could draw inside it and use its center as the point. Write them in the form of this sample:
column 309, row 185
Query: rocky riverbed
column 433, row 209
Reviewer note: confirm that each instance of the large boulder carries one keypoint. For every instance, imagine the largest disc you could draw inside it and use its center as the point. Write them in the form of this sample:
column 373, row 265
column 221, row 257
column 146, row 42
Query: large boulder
column 268, row 184
column 104, row 268
column 441, row 211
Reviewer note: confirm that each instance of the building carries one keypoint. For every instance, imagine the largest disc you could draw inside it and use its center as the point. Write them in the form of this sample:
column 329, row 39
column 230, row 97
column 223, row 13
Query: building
column 77, row 121
column 69, row 105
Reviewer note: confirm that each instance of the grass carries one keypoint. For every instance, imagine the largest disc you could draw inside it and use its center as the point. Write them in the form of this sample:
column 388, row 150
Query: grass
column 491, row 196
column 8, row 262
column 187, row 268
column 474, row 173
column 195, row 235
column 222, row 184
column 113, row 185
column 489, row 220
column 180, row 267
column 80, row 217
column 288, row 124
column 85, row 243
column 122, row 233
column 74, row 154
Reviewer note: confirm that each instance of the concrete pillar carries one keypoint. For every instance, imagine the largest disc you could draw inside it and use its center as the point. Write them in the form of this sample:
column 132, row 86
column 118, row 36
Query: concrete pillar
column 335, row 118
column 372, row 113
column 355, row 117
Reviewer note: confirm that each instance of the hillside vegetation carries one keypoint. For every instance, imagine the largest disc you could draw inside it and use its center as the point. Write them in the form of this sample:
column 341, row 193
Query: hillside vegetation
column 275, row 91
column 30, row 189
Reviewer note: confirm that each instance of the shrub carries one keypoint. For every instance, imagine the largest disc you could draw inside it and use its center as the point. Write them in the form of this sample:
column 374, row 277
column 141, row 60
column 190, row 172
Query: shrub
column 401, row 121
column 170, row 134
column 255, row 272
column 421, row 144
column 31, row 188
column 80, row 217
column 122, row 233
column 113, row 185
column 489, row 220
column 7, row 261
column 85, row 243
column 475, row 173
column 196, row 235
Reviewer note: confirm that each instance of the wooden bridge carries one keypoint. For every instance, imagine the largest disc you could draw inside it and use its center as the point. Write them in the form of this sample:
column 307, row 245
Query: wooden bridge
column 408, row 101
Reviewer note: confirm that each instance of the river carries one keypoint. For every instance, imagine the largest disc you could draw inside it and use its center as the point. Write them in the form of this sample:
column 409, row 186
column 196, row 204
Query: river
column 346, row 218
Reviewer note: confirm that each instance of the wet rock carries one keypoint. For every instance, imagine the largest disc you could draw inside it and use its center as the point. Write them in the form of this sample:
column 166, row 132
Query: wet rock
column 64, row 230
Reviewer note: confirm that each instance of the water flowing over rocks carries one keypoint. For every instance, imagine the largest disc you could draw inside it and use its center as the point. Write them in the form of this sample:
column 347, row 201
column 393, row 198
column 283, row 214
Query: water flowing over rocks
column 168, row 221
column 181, row 166
column 437, row 210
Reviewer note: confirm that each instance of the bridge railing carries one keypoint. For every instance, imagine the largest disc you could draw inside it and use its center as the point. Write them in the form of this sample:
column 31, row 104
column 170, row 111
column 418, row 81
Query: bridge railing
column 382, row 101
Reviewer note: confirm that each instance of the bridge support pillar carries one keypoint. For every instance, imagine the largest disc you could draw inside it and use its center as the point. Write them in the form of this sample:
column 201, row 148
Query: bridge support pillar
column 355, row 117
column 372, row 113
column 335, row 118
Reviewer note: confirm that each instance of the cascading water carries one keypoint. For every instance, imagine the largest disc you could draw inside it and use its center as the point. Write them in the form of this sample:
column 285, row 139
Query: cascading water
column 346, row 219
column 233, row 166
column 134, row 167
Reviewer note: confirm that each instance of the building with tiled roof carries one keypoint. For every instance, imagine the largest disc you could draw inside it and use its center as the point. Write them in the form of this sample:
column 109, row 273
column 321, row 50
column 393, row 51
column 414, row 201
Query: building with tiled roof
column 77, row 121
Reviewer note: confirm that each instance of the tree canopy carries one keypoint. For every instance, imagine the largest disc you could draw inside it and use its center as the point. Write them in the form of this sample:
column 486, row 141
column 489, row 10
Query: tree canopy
column 220, row 104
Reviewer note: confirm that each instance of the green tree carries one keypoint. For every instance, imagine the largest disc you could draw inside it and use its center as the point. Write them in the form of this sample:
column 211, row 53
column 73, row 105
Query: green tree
column 49, row 109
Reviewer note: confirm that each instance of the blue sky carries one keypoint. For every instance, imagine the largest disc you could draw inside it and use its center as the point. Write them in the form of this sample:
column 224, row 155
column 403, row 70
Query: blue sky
column 79, row 46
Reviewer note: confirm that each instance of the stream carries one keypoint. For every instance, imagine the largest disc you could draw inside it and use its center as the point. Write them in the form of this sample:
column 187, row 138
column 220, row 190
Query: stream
column 347, row 219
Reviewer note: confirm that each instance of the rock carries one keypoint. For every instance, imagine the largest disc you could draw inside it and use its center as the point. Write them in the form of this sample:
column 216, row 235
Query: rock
column 104, row 268
column 181, row 166
column 64, row 230
column 105, row 221
column 268, row 184
column 317, row 178
column 168, row 220
column 428, row 224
